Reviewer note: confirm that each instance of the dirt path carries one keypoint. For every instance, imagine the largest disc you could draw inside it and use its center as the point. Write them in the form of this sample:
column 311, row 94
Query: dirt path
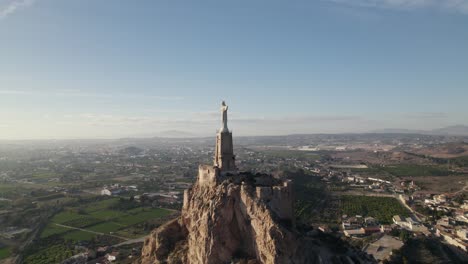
column 415, row 214
column 131, row 241
column 464, row 189
column 93, row 232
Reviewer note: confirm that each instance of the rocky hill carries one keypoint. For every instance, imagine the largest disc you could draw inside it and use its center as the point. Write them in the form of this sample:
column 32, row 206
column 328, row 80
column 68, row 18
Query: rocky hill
column 223, row 222
column 237, row 221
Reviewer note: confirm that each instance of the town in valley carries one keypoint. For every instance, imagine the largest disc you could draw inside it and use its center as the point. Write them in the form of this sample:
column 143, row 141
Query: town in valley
column 386, row 194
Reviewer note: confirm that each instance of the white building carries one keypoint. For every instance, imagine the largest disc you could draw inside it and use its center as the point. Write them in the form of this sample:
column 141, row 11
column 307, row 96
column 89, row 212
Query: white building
column 450, row 238
column 409, row 223
column 462, row 233
column 440, row 198
column 106, row 192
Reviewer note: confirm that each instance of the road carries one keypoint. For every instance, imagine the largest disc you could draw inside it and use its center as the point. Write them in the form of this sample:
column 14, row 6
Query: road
column 362, row 193
column 415, row 214
column 93, row 232
column 464, row 188
column 131, row 241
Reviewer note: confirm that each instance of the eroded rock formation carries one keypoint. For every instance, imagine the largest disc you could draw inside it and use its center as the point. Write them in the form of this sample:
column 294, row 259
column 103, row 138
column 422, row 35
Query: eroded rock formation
column 232, row 220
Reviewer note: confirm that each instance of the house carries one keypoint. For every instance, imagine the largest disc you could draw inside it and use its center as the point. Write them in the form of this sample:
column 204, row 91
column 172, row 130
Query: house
column 462, row 233
column 355, row 232
column 370, row 221
column 106, row 192
column 451, row 239
column 382, row 248
column 385, row 228
column 324, row 228
column 464, row 205
column 415, row 226
column 371, row 230
column 111, row 191
column 112, row 256
column 409, row 223
column 352, row 222
column 440, row 198
column 445, row 221
column 398, row 220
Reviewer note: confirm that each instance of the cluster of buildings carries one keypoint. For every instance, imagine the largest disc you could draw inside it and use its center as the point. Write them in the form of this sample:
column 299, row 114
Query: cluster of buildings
column 409, row 223
column 443, row 203
column 452, row 227
column 440, row 202
column 117, row 189
column 103, row 255
column 358, row 226
column 451, row 233
column 367, row 183
column 409, row 185
column 160, row 198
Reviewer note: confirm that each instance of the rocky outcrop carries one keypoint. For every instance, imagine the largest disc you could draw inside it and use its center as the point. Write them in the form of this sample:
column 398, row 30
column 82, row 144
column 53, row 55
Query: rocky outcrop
column 163, row 241
column 223, row 223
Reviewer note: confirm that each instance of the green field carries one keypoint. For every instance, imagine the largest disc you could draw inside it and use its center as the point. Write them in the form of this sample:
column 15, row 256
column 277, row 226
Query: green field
column 405, row 170
column 110, row 217
column 4, row 253
column 66, row 216
column 44, row 175
column 381, row 208
column 99, row 217
column 78, row 236
column 460, row 161
column 106, row 214
column 416, row 170
column 51, row 254
column 287, row 153
column 52, row 229
column 101, row 205
column 4, row 204
column 105, row 227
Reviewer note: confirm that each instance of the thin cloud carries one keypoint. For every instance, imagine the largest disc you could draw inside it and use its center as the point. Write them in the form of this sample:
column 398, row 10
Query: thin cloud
column 79, row 93
column 453, row 5
column 299, row 119
column 13, row 6
column 427, row 115
column 14, row 92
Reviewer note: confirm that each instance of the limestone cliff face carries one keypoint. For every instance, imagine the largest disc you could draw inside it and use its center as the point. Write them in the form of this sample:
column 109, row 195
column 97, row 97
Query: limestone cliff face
column 224, row 222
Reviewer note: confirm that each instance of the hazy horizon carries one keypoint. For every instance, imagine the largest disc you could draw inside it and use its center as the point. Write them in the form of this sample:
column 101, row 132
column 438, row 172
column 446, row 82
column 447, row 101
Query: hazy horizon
column 96, row 69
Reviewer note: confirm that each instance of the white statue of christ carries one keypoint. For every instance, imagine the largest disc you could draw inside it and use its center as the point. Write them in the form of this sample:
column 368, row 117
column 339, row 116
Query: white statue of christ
column 224, row 109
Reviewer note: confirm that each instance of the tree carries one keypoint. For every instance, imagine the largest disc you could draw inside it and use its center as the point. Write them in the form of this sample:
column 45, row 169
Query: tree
column 405, row 235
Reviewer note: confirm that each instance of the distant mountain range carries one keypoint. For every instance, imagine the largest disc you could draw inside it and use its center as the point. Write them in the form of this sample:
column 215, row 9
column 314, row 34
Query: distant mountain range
column 166, row 134
column 175, row 134
column 457, row 130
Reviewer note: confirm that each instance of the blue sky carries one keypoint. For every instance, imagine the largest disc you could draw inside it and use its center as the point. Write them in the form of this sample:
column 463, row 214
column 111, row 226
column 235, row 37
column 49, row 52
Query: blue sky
column 107, row 69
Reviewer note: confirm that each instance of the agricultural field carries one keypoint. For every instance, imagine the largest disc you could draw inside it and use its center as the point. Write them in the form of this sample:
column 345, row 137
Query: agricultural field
column 49, row 253
column 312, row 203
column 287, row 153
column 52, row 229
column 416, row 170
column 98, row 217
column 99, row 222
column 405, row 170
column 381, row 208
column 4, row 253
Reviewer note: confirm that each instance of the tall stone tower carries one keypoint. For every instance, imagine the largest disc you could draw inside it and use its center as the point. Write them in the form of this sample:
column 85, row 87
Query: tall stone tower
column 224, row 157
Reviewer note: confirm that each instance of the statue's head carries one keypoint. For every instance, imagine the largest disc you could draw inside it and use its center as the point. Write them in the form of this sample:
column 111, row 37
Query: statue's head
column 223, row 103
